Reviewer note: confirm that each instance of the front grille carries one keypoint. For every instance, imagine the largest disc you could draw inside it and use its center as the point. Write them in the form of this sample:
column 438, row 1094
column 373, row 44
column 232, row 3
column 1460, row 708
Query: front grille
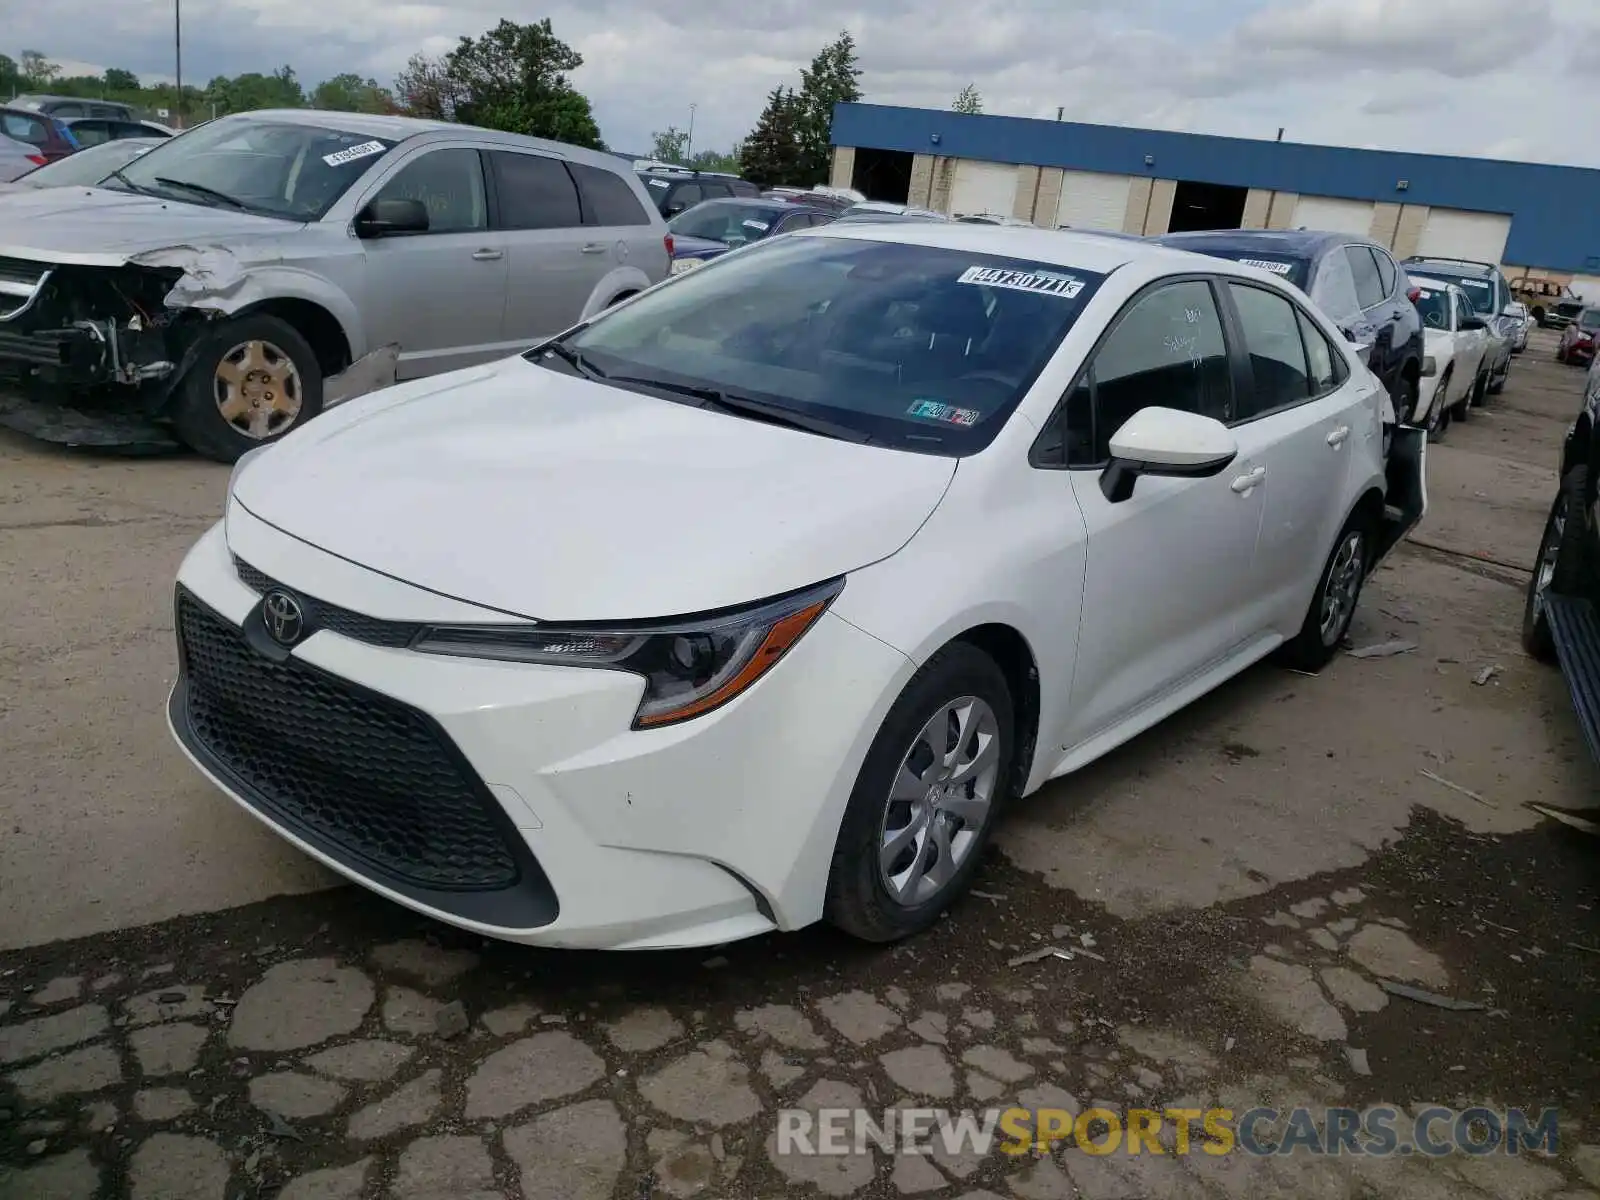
column 375, row 778
column 357, row 626
column 20, row 270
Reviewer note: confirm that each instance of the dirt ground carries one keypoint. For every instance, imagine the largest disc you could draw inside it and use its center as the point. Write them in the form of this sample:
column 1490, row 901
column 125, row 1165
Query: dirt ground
column 186, row 1010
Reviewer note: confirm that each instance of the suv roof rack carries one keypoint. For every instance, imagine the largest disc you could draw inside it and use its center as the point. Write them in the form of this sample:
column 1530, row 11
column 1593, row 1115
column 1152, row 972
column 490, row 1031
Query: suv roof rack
column 651, row 166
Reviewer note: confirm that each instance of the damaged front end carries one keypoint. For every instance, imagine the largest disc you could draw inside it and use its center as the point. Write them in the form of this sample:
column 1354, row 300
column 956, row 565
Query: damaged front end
column 89, row 354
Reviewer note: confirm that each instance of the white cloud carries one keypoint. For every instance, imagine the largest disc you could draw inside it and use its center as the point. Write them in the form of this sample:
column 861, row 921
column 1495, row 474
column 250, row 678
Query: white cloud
column 1443, row 76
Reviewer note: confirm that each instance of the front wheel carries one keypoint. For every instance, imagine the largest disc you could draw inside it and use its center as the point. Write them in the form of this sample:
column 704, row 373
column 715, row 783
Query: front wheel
column 1498, row 383
column 926, row 799
column 1404, row 397
column 1333, row 606
column 1439, row 418
column 1559, row 566
column 254, row 379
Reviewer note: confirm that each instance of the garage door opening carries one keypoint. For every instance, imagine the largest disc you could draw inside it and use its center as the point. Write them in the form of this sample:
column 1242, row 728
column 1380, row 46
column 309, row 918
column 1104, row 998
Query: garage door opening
column 1197, row 206
column 882, row 174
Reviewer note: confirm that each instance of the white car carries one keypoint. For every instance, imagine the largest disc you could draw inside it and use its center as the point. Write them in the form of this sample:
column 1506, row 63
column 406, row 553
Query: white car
column 1455, row 372
column 751, row 601
column 1524, row 322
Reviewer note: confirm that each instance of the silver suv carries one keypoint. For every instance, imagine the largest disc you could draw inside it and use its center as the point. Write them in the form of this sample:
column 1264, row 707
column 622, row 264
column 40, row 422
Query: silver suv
column 226, row 282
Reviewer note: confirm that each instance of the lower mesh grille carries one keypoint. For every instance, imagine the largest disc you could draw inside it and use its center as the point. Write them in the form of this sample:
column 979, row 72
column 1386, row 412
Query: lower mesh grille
column 368, row 774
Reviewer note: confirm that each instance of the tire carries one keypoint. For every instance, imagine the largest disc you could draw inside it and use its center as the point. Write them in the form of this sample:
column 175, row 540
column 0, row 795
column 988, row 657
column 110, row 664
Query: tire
column 1496, row 386
column 260, row 369
column 1538, row 317
column 1404, row 398
column 1440, row 420
column 859, row 899
column 1561, row 354
column 1342, row 576
column 1560, row 564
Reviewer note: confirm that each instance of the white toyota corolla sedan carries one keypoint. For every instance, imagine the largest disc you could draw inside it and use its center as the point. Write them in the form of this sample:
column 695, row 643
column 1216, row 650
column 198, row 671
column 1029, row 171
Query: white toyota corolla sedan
column 754, row 600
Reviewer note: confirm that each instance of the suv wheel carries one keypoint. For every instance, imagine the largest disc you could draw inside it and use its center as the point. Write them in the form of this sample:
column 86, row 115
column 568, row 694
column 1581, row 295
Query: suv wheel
column 1334, row 604
column 1559, row 566
column 254, row 379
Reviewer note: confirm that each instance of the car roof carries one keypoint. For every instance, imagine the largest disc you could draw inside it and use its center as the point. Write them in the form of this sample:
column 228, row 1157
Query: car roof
column 1295, row 243
column 30, row 98
column 1083, row 249
column 766, row 203
column 1450, row 266
column 1442, row 285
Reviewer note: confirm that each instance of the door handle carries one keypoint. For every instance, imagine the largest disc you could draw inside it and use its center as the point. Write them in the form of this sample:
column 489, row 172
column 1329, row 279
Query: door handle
column 486, row 255
column 1337, row 437
column 1245, row 484
column 595, row 248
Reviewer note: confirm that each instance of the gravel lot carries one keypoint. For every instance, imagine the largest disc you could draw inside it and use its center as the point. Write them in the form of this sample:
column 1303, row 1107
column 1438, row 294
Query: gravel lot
column 188, row 1010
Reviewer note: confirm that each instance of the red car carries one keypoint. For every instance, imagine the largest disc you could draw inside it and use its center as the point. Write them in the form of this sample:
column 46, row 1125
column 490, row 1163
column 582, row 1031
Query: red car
column 1578, row 339
column 46, row 134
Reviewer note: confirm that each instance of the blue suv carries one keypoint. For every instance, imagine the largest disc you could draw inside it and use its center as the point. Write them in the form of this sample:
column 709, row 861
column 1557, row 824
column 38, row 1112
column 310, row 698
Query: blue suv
column 1352, row 279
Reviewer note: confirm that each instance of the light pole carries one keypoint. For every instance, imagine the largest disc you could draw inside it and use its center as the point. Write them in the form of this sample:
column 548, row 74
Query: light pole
column 688, row 146
column 177, row 51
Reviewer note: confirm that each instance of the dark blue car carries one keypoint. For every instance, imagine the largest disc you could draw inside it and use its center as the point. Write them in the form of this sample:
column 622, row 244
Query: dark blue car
column 1352, row 279
column 715, row 227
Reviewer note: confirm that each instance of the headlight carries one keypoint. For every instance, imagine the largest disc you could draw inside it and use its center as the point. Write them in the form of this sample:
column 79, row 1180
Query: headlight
column 680, row 265
column 689, row 667
column 1428, row 366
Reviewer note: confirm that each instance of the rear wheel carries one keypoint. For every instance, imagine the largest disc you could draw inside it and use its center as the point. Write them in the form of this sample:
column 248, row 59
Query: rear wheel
column 1559, row 566
column 1439, row 418
column 1497, row 384
column 253, row 380
column 1405, row 400
column 1334, row 604
column 926, row 799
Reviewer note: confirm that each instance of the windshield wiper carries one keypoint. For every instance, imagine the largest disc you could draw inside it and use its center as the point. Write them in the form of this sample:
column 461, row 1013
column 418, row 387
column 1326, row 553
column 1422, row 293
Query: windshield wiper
column 201, row 189
column 128, row 183
column 573, row 359
column 743, row 406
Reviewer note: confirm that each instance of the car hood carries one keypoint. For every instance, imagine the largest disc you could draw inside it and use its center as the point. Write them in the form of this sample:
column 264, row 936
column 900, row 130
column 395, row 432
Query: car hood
column 693, row 247
column 102, row 227
column 542, row 495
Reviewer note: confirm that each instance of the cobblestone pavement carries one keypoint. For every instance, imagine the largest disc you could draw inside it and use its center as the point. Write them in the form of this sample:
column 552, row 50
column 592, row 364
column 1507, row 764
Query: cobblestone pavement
column 333, row 1047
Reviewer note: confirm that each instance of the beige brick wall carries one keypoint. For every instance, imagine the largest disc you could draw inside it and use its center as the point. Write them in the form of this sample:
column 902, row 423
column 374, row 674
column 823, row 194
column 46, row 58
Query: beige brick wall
column 1408, row 236
column 844, row 166
column 1138, row 205
column 1162, row 194
column 944, row 179
column 1048, row 201
column 921, row 181
column 1385, row 223
column 1281, row 210
column 1027, row 185
column 1257, row 202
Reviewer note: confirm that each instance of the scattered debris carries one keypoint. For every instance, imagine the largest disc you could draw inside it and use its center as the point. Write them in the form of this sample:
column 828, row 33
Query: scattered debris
column 1407, row 992
column 1581, row 946
column 1402, row 615
column 1456, row 787
column 1573, row 820
column 1228, row 1044
column 1488, row 673
column 995, row 896
column 715, row 961
column 1383, row 650
column 1358, row 1060
column 1307, row 674
column 451, row 1020
column 1039, row 955
column 279, row 1128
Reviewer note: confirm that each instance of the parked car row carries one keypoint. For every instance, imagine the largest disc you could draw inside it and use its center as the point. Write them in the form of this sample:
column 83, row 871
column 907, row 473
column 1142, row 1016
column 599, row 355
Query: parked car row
column 52, row 128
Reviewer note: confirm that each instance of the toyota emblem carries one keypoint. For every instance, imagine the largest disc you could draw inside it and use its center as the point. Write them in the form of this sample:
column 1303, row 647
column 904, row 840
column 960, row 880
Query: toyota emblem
column 284, row 618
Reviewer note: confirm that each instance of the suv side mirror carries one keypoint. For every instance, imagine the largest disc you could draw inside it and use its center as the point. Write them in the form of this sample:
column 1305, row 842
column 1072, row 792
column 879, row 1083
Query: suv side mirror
column 1165, row 441
column 386, row 218
column 1468, row 324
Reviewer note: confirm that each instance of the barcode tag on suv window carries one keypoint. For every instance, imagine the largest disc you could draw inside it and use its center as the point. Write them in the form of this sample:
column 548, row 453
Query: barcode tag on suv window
column 351, row 153
column 1266, row 264
column 1047, row 282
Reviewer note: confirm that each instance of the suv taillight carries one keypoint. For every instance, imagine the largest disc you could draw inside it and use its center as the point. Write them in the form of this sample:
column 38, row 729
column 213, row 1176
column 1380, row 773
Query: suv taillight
column 37, row 160
column 667, row 242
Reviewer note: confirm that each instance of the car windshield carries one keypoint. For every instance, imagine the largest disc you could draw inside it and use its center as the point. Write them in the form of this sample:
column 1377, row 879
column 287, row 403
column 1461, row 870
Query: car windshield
column 1590, row 319
column 725, row 222
column 276, row 169
column 88, row 166
column 1433, row 304
column 917, row 347
column 1480, row 291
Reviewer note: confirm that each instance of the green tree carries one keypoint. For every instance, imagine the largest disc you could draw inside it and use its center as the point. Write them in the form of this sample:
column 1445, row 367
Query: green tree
column 351, row 93
column 830, row 80
column 718, row 160
column 37, row 70
column 772, row 154
column 515, row 78
column 425, row 88
column 10, row 77
column 968, row 100
column 669, row 144
column 253, row 90
column 118, row 80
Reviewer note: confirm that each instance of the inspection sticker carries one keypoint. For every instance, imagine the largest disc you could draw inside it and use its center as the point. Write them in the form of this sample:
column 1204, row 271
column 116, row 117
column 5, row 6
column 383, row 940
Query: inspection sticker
column 1047, row 282
column 658, row 183
column 351, row 153
column 932, row 410
column 1477, row 283
column 761, row 225
column 1266, row 264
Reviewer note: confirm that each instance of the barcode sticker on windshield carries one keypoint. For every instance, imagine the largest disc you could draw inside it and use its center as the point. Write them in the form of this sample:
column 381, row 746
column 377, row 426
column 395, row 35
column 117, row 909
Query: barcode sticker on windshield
column 1047, row 282
column 658, row 183
column 1477, row 283
column 1424, row 295
column 1266, row 264
column 351, row 153
column 761, row 225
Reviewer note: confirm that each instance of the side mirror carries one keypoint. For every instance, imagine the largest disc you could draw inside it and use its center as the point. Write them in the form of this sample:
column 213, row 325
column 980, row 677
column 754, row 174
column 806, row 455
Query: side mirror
column 1510, row 310
column 1165, row 441
column 1468, row 324
column 386, row 218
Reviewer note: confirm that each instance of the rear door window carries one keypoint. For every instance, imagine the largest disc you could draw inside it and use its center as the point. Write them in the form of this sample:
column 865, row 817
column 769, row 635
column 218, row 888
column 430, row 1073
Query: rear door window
column 1335, row 289
column 1325, row 366
column 24, row 128
column 1388, row 274
column 1364, row 270
column 607, row 197
column 1277, row 354
column 534, row 192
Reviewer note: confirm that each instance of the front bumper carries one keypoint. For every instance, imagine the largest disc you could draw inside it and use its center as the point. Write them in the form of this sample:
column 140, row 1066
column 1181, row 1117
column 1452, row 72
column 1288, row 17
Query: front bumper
column 514, row 800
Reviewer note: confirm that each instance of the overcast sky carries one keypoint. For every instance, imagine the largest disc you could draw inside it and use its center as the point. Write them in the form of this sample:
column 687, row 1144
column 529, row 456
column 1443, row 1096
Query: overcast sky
column 1502, row 78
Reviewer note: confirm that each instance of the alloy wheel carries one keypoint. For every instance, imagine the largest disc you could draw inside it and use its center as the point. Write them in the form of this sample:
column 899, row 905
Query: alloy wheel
column 1342, row 586
column 258, row 389
column 1549, row 553
column 940, row 801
